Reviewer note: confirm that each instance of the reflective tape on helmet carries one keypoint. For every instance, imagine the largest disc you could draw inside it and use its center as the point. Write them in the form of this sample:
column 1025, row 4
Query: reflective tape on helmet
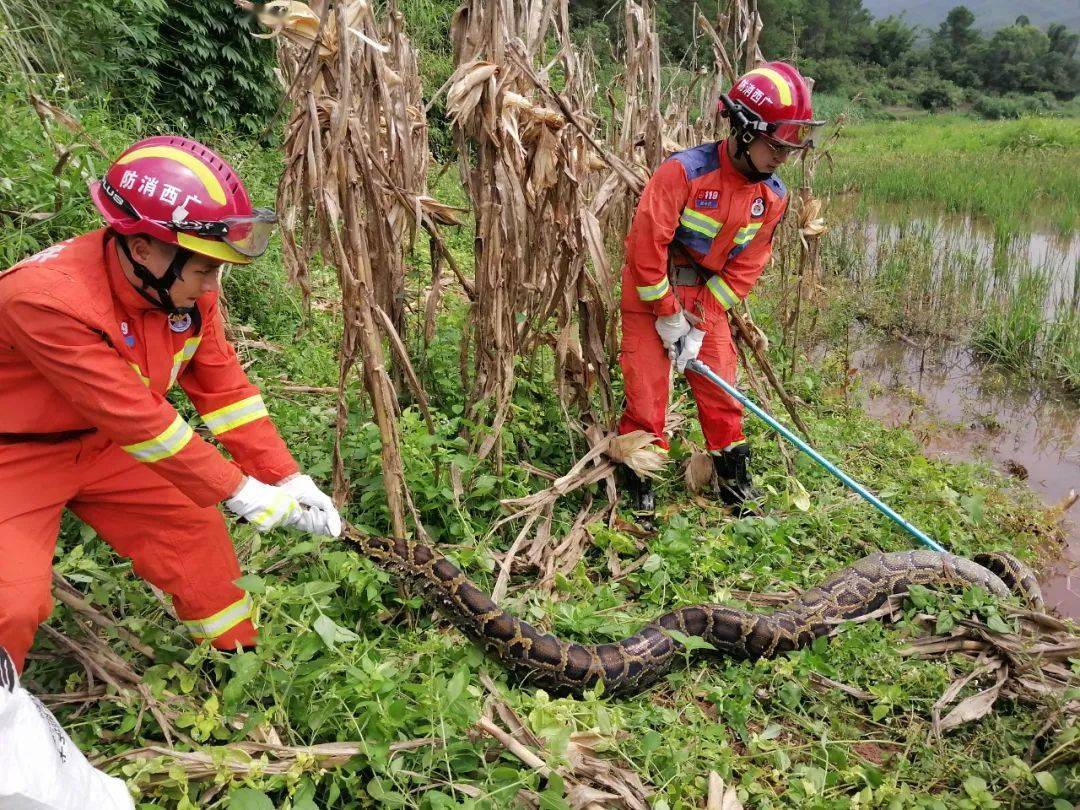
column 166, row 444
column 223, row 621
column 654, row 292
column 182, row 356
column 722, row 292
column 186, row 159
column 783, row 89
column 698, row 222
column 747, row 233
column 235, row 415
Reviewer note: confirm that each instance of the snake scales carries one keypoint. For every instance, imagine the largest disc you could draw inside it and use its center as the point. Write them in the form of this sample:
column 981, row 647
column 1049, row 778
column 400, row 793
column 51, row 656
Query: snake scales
column 630, row 665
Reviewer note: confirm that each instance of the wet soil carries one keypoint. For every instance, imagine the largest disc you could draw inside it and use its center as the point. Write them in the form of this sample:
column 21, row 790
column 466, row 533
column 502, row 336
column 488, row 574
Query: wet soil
column 964, row 410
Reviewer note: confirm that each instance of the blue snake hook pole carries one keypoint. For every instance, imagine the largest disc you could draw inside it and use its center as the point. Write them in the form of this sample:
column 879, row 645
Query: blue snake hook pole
column 700, row 368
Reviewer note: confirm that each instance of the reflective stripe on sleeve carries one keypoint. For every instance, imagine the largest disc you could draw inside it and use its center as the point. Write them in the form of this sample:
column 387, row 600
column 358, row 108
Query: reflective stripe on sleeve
column 235, row 415
column 696, row 221
column 182, row 356
column 654, row 292
column 747, row 233
column 167, row 443
column 722, row 292
column 223, row 621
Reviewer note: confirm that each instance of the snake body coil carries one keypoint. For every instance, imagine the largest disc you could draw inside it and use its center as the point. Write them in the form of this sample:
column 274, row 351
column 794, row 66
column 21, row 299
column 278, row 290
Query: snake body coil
column 631, row 665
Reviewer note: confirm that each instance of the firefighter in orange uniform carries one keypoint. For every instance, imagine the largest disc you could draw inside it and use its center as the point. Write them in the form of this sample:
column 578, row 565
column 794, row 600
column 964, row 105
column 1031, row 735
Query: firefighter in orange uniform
column 701, row 236
column 93, row 332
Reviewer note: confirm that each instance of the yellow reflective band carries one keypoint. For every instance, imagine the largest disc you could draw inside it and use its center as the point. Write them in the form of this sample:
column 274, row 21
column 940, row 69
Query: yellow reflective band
column 185, row 159
column 722, row 292
column 223, row 621
column 782, row 87
column 167, row 443
column 698, row 222
column 271, row 514
column 746, row 234
column 655, row 292
column 182, row 356
column 235, row 415
column 145, row 380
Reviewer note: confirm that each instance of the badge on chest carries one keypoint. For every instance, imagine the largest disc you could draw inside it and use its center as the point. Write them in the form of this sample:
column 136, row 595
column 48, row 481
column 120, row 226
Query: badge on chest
column 707, row 198
column 180, row 321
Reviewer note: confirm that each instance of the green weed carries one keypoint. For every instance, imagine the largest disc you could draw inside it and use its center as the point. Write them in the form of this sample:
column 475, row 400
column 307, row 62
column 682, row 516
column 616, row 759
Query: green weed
column 1016, row 174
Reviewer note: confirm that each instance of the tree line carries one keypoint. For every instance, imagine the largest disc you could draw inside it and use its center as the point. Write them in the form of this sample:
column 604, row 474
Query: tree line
column 1017, row 69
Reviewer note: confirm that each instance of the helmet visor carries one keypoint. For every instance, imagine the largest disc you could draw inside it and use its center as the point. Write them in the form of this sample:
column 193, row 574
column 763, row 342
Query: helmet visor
column 796, row 134
column 250, row 235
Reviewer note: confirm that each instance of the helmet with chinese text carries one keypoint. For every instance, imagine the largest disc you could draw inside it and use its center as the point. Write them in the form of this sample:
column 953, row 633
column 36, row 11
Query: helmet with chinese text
column 772, row 101
column 181, row 192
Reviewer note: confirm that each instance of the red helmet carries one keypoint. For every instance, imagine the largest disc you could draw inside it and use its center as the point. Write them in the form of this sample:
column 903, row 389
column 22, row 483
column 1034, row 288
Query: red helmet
column 773, row 102
column 179, row 191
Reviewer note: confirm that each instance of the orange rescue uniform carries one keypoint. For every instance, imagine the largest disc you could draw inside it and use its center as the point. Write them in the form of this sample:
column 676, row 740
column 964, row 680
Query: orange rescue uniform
column 722, row 224
column 85, row 363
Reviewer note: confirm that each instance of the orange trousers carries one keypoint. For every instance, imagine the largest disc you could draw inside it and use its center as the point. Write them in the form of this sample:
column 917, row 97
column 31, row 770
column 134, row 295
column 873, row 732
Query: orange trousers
column 181, row 548
column 647, row 372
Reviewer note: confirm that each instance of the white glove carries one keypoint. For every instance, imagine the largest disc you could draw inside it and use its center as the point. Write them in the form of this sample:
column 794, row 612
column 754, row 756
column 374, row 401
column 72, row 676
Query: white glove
column 265, row 507
column 689, row 348
column 321, row 515
column 672, row 329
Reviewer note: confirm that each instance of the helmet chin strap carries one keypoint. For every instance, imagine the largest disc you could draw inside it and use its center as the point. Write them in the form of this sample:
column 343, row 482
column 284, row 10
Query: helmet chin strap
column 743, row 140
column 150, row 282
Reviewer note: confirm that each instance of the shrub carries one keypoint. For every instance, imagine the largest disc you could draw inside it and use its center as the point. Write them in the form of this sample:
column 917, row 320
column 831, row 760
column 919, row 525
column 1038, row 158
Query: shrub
column 1015, row 105
column 938, row 95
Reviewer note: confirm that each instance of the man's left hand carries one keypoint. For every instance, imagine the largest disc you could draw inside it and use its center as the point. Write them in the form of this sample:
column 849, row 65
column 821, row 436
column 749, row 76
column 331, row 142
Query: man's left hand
column 688, row 348
column 326, row 519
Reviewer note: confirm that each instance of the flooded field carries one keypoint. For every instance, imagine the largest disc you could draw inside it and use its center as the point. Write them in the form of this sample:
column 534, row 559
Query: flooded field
column 982, row 349
column 963, row 411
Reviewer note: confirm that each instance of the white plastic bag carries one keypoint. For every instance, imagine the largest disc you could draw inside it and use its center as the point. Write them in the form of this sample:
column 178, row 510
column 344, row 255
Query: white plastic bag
column 40, row 767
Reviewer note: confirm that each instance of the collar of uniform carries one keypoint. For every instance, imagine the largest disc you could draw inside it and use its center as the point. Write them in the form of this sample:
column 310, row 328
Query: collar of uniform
column 122, row 288
column 728, row 169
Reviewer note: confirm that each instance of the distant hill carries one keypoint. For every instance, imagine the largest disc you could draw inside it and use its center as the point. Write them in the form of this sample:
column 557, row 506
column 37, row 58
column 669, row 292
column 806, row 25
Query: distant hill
column 990, row 15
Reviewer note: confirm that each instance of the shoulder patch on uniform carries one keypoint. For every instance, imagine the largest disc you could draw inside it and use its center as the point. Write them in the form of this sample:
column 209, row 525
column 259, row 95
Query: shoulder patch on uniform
column 777, row 185
column 699, row 160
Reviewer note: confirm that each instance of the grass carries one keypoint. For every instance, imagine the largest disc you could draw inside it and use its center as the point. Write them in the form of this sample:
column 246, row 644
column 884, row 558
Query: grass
column 340, row 661
column 931, row 278
column 1017, row 174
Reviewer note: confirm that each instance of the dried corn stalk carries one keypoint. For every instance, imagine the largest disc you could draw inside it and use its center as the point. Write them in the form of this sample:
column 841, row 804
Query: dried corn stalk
column 525, row 171
column 353, row 190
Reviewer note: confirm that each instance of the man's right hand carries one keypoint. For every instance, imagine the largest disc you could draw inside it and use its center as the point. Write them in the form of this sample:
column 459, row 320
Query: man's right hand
column 266, row 507
column 672, row 329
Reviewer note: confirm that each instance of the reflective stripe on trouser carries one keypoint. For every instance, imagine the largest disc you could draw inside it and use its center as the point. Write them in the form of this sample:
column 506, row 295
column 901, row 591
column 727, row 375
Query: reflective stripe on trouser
column 223, row 621
column 181, row 548
column 647, row 371
column 234, row 415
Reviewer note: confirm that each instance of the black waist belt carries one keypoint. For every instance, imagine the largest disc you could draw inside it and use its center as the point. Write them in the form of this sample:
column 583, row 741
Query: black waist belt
column 45, row 438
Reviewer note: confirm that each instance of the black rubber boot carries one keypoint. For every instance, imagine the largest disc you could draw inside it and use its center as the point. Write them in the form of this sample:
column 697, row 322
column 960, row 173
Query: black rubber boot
column 639, row 495
column 734, row 485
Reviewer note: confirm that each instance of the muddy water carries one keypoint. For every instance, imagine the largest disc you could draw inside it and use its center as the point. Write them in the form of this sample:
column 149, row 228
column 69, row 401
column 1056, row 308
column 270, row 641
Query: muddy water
column 962, row 410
